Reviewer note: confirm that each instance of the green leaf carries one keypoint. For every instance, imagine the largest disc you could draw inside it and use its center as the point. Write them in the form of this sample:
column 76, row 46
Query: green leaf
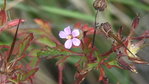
column 114, row 62
column 73, row 59
column 47, row 41
column 13, row 81
column 92, row 65
column 25, row 44
column 25, row 76
column 53, row 52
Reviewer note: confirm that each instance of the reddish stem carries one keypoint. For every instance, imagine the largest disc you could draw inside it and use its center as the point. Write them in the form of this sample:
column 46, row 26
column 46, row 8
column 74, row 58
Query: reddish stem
column 141, row 37
column 14, row 40
column 94, row 35
column 107, row 53
column 60, row 77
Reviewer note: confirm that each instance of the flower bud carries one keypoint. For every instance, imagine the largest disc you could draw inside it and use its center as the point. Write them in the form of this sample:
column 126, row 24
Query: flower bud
column 106, row 26
column 100, row 5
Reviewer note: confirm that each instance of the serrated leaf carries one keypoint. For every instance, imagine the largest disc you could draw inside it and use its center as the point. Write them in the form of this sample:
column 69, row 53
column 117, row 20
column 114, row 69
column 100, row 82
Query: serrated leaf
column 113, row 62
column 92, row 65
column 43, row 24
column 25, row 44
column 47, row 41
column 10, row 24
column 53, row 52
column 15, row 22
column 28, row 74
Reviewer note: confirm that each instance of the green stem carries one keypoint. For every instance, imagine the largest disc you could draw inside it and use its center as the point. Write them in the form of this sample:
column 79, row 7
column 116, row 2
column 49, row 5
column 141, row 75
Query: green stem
column 4, row 7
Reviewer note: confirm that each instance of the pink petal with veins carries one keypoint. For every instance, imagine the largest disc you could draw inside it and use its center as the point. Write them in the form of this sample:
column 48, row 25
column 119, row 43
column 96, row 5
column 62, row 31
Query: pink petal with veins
column 67, row 30
column 68, row 44
column 62, row 34
column 75, row 33
column 76, row 41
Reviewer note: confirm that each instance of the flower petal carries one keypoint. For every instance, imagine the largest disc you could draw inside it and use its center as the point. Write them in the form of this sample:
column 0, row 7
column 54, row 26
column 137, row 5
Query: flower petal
column 75, row 32
column 67, row 30
column 62, row 34
column 76, row 41
column 68, row 44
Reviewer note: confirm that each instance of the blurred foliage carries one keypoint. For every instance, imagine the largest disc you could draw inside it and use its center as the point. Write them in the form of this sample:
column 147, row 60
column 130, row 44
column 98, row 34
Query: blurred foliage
column 68, row 12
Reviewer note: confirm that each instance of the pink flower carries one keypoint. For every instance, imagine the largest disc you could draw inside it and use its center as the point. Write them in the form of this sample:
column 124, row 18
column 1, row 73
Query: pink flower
column 71, row 36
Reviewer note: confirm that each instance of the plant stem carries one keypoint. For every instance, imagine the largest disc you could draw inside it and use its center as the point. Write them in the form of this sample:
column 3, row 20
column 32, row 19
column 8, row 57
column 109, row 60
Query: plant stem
column 4, row 7
column 13, row 43
column 60, row 68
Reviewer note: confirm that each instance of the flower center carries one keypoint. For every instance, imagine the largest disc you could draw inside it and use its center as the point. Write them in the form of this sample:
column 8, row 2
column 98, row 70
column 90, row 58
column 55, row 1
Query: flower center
column 69, row 37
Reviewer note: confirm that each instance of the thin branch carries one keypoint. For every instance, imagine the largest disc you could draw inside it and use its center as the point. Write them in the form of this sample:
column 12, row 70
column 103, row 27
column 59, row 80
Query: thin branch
column 95, row 29
column 14, row 41
column 4, row 6
column 60, row 68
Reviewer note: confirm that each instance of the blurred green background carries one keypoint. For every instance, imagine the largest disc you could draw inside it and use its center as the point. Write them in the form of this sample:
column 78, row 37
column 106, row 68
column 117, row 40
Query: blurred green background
column 61, row 13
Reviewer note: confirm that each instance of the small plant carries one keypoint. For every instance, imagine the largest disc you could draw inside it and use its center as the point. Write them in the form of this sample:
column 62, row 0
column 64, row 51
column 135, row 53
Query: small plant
column 90, row 57
column 11, row 69
column 73, row 41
